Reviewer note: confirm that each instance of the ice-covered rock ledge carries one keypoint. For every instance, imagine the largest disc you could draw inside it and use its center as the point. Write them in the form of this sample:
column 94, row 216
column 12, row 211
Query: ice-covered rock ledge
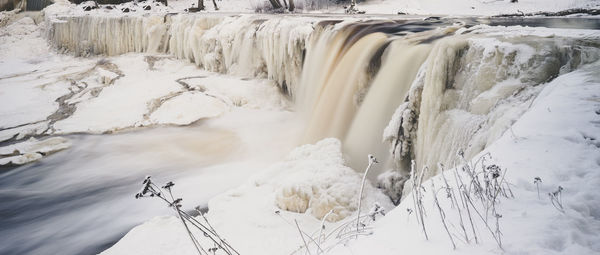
column 246, row 45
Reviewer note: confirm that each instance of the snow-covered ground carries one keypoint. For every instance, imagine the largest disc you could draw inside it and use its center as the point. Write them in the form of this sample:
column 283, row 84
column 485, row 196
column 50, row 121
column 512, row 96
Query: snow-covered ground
column 472, row 7
column 412, row 7
column 229, row 137
column 44, row 93
column 312, row 180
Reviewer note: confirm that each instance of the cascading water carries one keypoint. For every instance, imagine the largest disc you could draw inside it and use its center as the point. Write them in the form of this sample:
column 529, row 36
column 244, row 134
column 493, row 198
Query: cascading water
column 333, row 109
column 460, row 91
column 455, row 91
column 366, row 130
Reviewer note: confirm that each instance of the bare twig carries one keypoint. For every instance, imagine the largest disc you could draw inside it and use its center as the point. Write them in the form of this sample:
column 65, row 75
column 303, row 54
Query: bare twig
column 302, row 236
column 442, row 214
column 537, row 181
column 372, row 160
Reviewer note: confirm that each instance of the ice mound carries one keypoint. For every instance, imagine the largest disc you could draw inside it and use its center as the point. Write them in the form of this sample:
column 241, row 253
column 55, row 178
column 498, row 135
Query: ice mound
column 311, row 181
column 314, row 179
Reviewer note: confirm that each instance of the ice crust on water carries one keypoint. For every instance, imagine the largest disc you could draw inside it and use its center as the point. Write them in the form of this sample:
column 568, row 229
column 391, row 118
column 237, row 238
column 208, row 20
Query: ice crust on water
column 51, row 93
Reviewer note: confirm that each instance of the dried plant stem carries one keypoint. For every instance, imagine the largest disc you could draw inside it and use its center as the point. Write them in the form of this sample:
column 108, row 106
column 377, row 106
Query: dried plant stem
column 417, row 197
column 442, row 214
column 484, row 221
column 302, row 236
column 452, row 195
column 372, row 160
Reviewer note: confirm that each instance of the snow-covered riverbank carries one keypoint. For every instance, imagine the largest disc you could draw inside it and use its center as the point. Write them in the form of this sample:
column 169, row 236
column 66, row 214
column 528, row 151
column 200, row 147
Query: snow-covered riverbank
column 143, row 101
column 123, row 117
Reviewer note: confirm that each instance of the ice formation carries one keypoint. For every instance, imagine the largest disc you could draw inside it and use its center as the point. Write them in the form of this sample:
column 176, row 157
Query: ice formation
column 241, row 45
column 314, row 178
column 449, row 89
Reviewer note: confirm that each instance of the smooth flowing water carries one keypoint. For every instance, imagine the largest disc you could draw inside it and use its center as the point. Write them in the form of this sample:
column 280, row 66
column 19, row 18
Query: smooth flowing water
column 81, row 200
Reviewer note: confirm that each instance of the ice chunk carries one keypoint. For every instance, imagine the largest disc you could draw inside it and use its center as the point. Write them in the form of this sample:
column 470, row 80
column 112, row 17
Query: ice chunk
column 31, row 150
column 314, row 177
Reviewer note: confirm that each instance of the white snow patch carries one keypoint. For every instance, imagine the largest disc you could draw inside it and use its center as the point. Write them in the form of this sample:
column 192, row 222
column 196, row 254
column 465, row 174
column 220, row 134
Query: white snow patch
column 470, row 7
column 187, row 108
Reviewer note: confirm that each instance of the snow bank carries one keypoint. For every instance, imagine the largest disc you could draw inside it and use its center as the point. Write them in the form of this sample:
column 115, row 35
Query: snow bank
column 420, row 7
column 470, row 7
column 554, row 140
column 12, row 35
column 312, row 177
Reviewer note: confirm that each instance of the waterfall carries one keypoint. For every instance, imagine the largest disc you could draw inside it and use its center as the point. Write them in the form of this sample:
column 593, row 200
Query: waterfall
column 427, row 92
column 108, row 35
column 334, row 106
column 400, row 89
column 471, row 90
column 398, row 70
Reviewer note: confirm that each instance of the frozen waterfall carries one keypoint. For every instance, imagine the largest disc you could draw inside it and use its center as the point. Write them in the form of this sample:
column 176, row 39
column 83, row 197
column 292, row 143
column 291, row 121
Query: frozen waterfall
column 400, row 89
column 247, row 46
